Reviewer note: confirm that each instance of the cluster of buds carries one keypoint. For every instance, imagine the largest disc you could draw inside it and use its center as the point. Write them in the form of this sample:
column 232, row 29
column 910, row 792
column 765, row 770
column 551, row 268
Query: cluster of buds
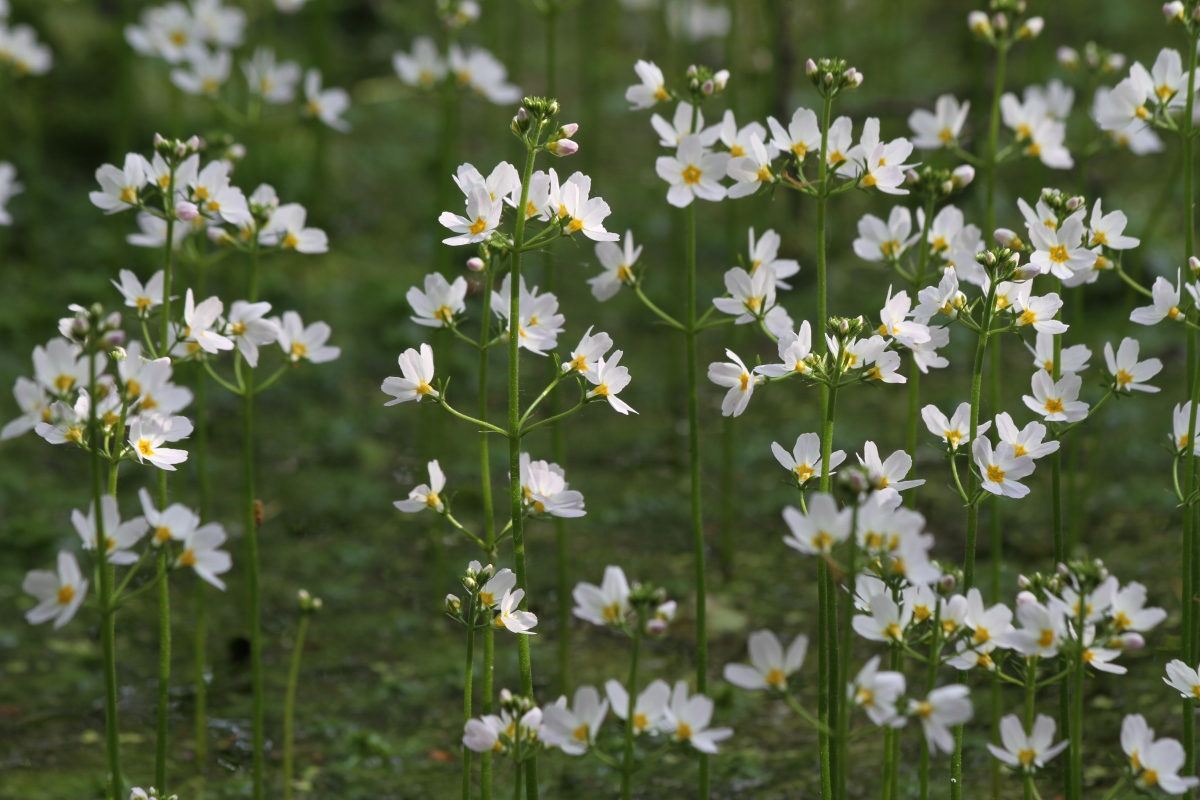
column 151, row 794
column 1061, row 203
column 1185, row 14
column 831, row 75
column 515, row 704
column 456, row 14
column 174, row 151
column 652, row 607
column 1000, row 263
column 92, row 327
column 535, row 125
column 1002, row 23
column 1094, row 59
column 308, row 603
column 703, row 82
column 931, row 183
column 852, row 485
column 561, row 143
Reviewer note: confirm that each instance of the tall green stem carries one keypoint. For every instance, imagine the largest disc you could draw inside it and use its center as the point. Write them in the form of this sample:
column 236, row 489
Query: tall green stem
column 827, row 627
column 200, row 621
column 514, row 449
column 632, row 687
column 489, row 518
column 694, row 465
column 1076, row 731
column 289, row 707
column 843, row 674
column 1030, row 692
column 252, row 565
column 107, row 612
column 468, row 681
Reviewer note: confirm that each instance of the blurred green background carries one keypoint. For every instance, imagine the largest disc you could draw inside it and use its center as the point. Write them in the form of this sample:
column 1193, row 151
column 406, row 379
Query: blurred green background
column 380, row 713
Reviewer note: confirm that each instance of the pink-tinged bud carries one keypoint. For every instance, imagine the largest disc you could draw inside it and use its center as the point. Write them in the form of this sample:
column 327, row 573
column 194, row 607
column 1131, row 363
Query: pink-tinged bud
column 113, row 339
column 1025, row 598
column 1074, row 203
column 692, row 70
column 656, row 626
column 810, row 67
column 1023, row 582
column 568, row 130
column 1062, row 569
column 963, row 175
column 159, row 140
column 186, row 211
column 563, row 147
column 708, row 87
column 1194, row 265
column 911, row 176
column 475, row 264
column 947, row 582
column 193, row 143
column 1173, row 11
column 1133, row 641
column 1000, row 22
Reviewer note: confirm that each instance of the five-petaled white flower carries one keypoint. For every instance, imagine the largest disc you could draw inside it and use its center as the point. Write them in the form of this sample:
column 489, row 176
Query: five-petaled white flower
column 1027, row 752
column 649, row 708
column 805, row 459
column 305, row 343
column 1001, row 469
column 618, row 264
column 585, row 358
column 440, row 303
column 795, row 348
column 877, row 692
column 199, row 320
column 286, row 229
column 888, row 474
column 751, row 296
column 483, row 215
column 424, row 67
column 687, row 719
column 510, row 616
column 770, row 665
column 739, row 380
column 119, row 537
column 120, row 188
column 942, row 126
column 149, row 432
column 885, row 241
column 1072, row 359
column 1056, row 401
column 426, row 495
column 1128, row 373
column 327, row 105
column 651, row 90
column 1154, row 763
column 1164, row 303
column 955, row 430
column 1027, row 441
column 417, row 370
column 572, row 729
column 693, row 172
column 59, row 594
column 1061, row 251
column 816, row 532
column 803, row 134
column 606, row 604
column 249, row 330
column 941, row 710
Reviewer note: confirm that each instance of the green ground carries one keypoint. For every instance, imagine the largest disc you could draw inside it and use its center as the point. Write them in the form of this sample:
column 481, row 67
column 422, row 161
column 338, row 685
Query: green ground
column 380, row 708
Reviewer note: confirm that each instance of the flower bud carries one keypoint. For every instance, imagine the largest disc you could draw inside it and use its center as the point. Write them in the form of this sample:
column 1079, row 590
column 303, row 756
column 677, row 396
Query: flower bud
column 852, row 78
column 1009, row 238
column 1174, row 12
column 1032, row 28
column 453, row 605
column 1026, row 597
column 1074, row 203
column 1023, row 582
column 159, row 141
column 1062, row 569
column 708, row 87
column 1114, row 63
column 1194, row 265
column 721, row 80
column 692, row 70
column 186, row 211
column 1000, row 22
column 563, row 147
column 947, row 187
column 962, row 176
column 979, row 24
column 567, row 131
column 947, row 582
column 235, row 152
column 193, row 143
column 118, row 354
column 828, row 78
column 475, row 264
column 1068, row 57
column 1132, row 641
column 810, row 67
column 470, row 583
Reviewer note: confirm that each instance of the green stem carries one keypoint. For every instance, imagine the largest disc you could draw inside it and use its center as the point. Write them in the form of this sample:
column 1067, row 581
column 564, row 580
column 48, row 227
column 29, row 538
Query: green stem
column 1030, row 694
column 252, row 559
column 632, row 688
column 516, row 494
column 164, row 665
column 1076, row 731
column 935, row 652
column 1060, row 554
column 843, row 673
column 107, row 612
column 827, row 614
column 289, row 708
column 489, row 522
column 468, row 680
column 1191, row 567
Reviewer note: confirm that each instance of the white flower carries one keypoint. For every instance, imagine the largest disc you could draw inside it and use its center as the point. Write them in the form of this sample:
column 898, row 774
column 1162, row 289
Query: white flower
column 274, row 82
column 424, row 67
column 1184, row 679
column 546, row 490
column 945, row 298
column 1164, row 303
column 943, row 230
column 673, row 133
column 585, row 358
column 480, row 71
column 956, row 430
column 1046, row 144
column 750, row 171
column 218, row 25
column 805, row 459
column 175, row 522
column 59, row 595
column 803, row 134
column 1059, row 251
column 215, row 197
column 440, row 303
column 738, row 140
column 1056, row 98
column 752, row 295
column 286, row 229
column 497, row 587
column 1179, row 440
column 740, row 382
column 1154, row 763
column 794, row 351
column 1027, row 752
column 1057, row 402
column 1128, row 373
column 149, row 432
column 426, row 496
column 764, row 254
column 169, row 32
column 199, row 320
column 769, row 666
column 9, row 187
column 417, row 369
column 1128, row 611
column 483, row 215
column 816, row 532
column 651, row 91
column 837, row 145
column 119, row 537
column 895, row 323
column 35, row 408
column 574, row 729
column 61, row 367
column 942, row 127
column 305, row 343
column 1001, row 470
column 649, row 709
column 1073, row 359
column 1041, row 631
column 1100, row 658
column 885, row 241
column 1109, row 230
column 887, row 474
column 327, row 105
column 586, row 214
column 483, row 735
column 877, row 692
column 539, row 323
column 20, row 48
column 606, row 604
column 249, row 330
column 1021, row 117
column 609, row 378
column 207, row 73
column 1168, row 80
column 940, row 711
column 120, row 188
column 1025, row 442
column 886, row 622
column 687, row 720
column 618, row 267
column 511, row 617
column 201, row 552
column 1125, row 105
column 693, row 172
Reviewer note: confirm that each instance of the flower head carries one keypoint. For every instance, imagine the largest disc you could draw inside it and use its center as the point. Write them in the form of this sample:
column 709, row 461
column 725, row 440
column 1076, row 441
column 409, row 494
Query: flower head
column 59, row 594
column 417, row 370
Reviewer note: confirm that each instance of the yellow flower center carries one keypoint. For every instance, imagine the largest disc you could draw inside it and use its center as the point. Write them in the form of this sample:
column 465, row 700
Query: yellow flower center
column 894, row 631
column 477, row 227
column 64, row 383
column 691, row 175
column 1164, row 92
column 921, row 613
column 612, row 613
column 869, row 180
column 600, row 391
column 924, row 709
column 1054, row 405
column 1026, row 756
column 683, row 732
column 299, row 350
column 803, row 472
column 640, row 722
column 865, row 697
column 162, row 534
column 822, row 541
column 954, row 438
column 745, row 381
column 939, row 244
column 143, row 303
column 736, row 150
column 995, row 474
column 764, row 174
column 1047, row 638
column 1019, row 450
column 144, row 447
column 661, row 94
column 487, row 598
column 1149, row 777
column 800, row 149
column 836, row 158
column 574, row 225
column 1123, row 379
column 890, row 248
column 1024, row 131
column 188, row 558
column 1140, row 112
column 432, row 500
column 1099, row 237
column 624, row 273
column 1058, row 254
column 1173, row 313
column 65, row 595
column 580, row 734
column 1121, row 620
column 946, row 135
column 129, row 195
column 424, row 388
column 1028, row 317
column 290, row 241
column 776, row 678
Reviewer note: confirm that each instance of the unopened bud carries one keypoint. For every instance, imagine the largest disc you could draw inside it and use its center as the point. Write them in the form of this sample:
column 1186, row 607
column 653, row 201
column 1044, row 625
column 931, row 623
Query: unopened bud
column 1023, row 582
column 828, row 78
column 1032, row 28
column 810, row 67
column 1025, row 598
column 947, row 187
column 979, row 24
column 852, row 78
column 119, row 354
column 568, row 130
column 186, row 211
column 1133, row 641
column 962, row 176
column 1194, row 265
column 1074, row 203
column 1068, row 57
column 947, row 582
column 911, row 177
column 563, row 147
column 708, row 87
column 470, row 583
column 475, row 264
column 721, row 80
column 159, row 141
column 692, row 71
column 1174, row 12
column 1000, row 22
column 453, row 605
